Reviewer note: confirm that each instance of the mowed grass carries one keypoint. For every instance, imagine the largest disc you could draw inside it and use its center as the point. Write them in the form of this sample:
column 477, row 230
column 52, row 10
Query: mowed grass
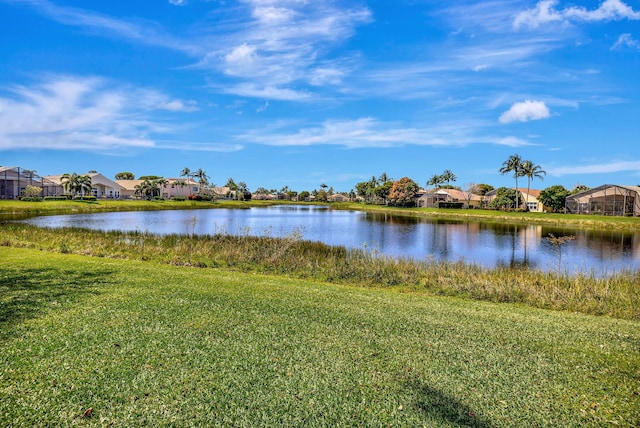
column 104, row 342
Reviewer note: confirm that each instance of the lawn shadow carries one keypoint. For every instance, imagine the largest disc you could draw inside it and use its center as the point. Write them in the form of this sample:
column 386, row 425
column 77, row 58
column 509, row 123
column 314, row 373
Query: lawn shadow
column 27, row 293
column 442, row 406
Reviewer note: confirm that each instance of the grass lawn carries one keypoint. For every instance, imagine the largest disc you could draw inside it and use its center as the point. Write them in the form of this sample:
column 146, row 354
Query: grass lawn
column 129, row 343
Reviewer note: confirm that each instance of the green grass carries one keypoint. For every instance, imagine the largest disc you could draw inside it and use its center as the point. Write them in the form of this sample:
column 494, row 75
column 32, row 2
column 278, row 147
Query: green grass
column 148, row 344
column 614, row 296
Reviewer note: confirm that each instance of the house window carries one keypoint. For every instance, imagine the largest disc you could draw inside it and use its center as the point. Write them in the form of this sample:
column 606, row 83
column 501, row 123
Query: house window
column 532, row 206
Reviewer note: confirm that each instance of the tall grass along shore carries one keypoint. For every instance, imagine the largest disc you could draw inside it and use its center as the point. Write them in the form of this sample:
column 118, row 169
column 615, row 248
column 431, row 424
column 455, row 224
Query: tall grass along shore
column 615, row 296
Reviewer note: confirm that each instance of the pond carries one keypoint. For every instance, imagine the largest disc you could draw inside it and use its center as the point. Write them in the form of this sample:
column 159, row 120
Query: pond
column 488, row 244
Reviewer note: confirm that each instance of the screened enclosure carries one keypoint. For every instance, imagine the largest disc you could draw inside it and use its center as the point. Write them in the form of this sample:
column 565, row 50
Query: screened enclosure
column 14, row 180
column 609, row 199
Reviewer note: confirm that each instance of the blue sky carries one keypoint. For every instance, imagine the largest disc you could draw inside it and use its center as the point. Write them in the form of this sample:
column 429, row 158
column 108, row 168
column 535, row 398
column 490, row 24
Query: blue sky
column 300, row 92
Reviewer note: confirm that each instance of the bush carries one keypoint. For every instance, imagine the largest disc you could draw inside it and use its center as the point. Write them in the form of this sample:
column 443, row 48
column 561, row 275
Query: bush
column 86, row 198
column 31, row 199
column 57, row 198
column 450, row 205
column 180, row 198
column 195, row 197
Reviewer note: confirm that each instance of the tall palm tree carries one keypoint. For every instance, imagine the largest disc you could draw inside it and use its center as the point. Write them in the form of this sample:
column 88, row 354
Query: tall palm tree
column 203, row 178
column 513, row 164
column 448, row 176
column 435, row 181
column 531, row 171
column 384, row 178
column 75, row 183
column 180, row 184
column 161, row 182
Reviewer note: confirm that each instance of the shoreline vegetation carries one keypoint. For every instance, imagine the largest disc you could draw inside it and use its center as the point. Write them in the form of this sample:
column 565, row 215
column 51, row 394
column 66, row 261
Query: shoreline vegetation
column 134, row 329
column 615, row 296
column 12, row 209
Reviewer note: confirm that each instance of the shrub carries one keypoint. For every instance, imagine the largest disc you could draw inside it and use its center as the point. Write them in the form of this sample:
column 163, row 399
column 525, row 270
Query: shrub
column 450, row 205
column 86, row 198
column 57, row 198
column 179, row 198
column 31, row 199
column 195, row 197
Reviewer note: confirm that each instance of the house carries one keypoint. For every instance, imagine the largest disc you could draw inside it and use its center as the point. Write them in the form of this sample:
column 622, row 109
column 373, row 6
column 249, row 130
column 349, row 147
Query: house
column 175, row 187
column 101, row 186
column 338, row 197
column 14, row 180
column 608, row 199
column 528, row 197
column 431, row 199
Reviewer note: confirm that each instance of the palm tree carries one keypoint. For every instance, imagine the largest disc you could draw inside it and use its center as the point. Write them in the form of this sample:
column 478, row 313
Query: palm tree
column 160, row 182
column 233, row 187
column 531, row 171
column 448, row 176
column 436, row 180
column 384, row 178
column 180, row 184
column 75, row 183
column 513, row 164
column 203, row 178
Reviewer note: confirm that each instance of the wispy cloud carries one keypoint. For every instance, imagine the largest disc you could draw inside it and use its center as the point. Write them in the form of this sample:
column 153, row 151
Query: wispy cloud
column 70, row 113
column 140, row 31
column 599, row 168
column 369, row 132
column 546, row 12
column 283, row 45
column 525, row 111
column 626, row 40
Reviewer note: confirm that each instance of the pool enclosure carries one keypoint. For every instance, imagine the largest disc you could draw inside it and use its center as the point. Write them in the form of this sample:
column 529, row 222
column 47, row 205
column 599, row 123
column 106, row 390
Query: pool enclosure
column 14, row 180
column 609, row 199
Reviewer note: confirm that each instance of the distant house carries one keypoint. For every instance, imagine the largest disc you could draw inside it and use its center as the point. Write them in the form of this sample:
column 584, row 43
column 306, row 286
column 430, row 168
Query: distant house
column 608, row 199
column 531, row 200
column 101, row 186
column 172, row 189
column 337, row 197
column 14, row 180
column 528, row 197
column 431, row 199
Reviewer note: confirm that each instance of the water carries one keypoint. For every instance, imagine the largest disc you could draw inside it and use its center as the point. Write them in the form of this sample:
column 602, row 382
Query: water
column 488, row 244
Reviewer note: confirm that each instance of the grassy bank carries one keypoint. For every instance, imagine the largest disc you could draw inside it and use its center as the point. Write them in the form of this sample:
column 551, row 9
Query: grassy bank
column 18, row 208
column 104, row 342
column 10, row 208
column 615, row 296
column 574, row 220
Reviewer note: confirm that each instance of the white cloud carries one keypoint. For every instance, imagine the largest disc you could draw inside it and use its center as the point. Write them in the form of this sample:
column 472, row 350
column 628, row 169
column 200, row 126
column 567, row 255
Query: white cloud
column 511, row 142
column 600, row 168
column 371, row 133
column 626, row 40
column 525, row 111
column 267, row 92
column 178, row 105
column 546, row 12
column 80, row 113
column 178, row 2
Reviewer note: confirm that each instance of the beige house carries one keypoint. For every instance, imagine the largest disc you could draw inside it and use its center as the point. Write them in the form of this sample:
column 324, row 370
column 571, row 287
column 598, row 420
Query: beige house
column 531, row 200
column 175, row 187
column 431, row 199
column 338, row 197
column 101, row 186
column 528, row 198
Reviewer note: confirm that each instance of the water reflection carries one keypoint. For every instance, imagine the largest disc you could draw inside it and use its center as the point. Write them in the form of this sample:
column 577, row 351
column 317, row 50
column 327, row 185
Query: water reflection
column 485, row 243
